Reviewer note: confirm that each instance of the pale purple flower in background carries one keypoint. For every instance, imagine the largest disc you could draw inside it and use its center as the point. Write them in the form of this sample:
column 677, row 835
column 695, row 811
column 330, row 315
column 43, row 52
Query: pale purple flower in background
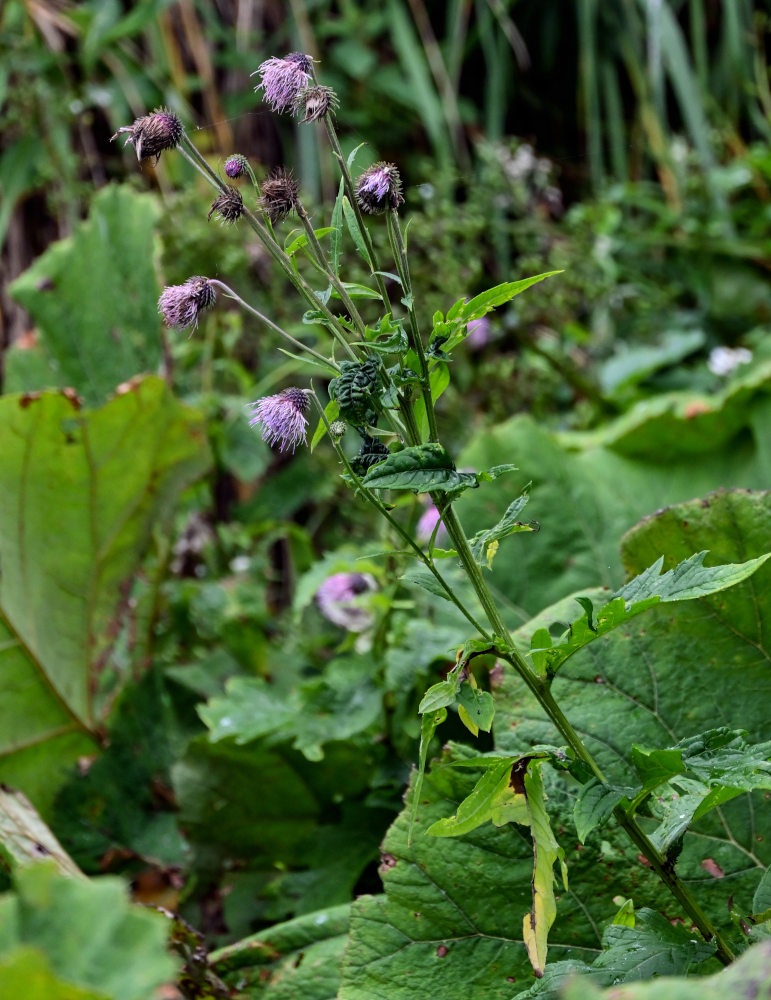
column 338, row 599
column 181, row 305
column 151, row 134
column 283, row 79
column 724, row 360
column 478, row 333
column 282, row 418
column 379, row 188
column 428, row 521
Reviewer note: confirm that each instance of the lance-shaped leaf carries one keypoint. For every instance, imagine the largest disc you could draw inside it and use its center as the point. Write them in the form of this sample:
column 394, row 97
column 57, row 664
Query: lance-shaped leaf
column 82, row 493
column 422, row 468
column 687, row 581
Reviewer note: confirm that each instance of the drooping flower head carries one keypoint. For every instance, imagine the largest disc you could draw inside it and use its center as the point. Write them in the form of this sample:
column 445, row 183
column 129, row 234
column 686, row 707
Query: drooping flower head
column 282, row 418
column 282, row 79
column 339, row 600
column 236, row 166
column 379, row 188
column 229, row 206
column 279, row 194
column 153, row 133
column 181, row 305
column 314, row 102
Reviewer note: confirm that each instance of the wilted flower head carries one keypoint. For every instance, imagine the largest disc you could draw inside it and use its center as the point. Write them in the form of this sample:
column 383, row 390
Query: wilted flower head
column 314, row 102
column 236, row 166
column 229, row 205
column 279, row 194
column 181, row 305
column 478, row 333
column 283, row 79
column 338, row 600
column 379, row 188
column 428, row 521
column 153, row 133
column 282, row 418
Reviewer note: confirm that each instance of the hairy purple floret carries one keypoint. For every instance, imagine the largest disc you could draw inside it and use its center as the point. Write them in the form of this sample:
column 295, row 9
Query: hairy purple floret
column 235, row 166
column 181, row 305
column 379, row 188
column 153, row 133
column 283, row 79
column 282, row 418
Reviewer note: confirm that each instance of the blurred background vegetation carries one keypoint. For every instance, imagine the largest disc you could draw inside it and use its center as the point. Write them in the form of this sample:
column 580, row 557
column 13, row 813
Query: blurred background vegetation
column 626, row 142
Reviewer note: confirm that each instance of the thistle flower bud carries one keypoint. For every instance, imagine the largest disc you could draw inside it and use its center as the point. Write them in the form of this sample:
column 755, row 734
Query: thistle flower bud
column 379, row 188
column 181, row 305
column 314, row 103
column 282, row 79
column 338, row 428
column 282, row 418
column 229, row 205
column 153, row 133
column 279, row 195
column 236, row 166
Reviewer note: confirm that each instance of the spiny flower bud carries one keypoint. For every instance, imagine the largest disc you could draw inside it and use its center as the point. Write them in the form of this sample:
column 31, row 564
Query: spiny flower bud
column 282, row 418
column 236, row 166
column 338, row 428
column 282, row 79
column 379, row 188
column 279, row 195
column 181, row 305
column 314, row 103
column 229, row 205
column 153, row 133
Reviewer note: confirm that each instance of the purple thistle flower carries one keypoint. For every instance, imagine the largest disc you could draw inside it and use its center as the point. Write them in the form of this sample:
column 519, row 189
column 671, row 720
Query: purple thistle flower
column 283, row 79
column 282, row 418
column 235, row 166
column 153, row 133
column 181, row 305
column 379, row 188
column 338, row 600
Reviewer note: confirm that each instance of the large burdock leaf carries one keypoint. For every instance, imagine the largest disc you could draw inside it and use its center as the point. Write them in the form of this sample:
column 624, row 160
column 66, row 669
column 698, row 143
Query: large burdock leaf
column 588, row 489
column 82, row 493
column 66, row 932
column 93, row 297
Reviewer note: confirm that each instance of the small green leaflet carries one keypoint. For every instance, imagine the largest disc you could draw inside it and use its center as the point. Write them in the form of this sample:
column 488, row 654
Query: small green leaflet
column 476, row 708
column 356, row 233
column 428, row 726
column 492, row 798
column 336, row 239
column 357, row 291
column 331, row 412
column 595, row 802
column 687, row 581
column 422, row 577
column 439, row 379
column 302, row 240
column 507, row 525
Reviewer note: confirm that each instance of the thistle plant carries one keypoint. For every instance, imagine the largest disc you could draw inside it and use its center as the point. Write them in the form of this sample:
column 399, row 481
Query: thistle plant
column 385, row 369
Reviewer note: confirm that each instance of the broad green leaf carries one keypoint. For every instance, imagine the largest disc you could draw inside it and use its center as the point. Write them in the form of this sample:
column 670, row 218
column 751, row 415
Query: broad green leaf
column 686, row 582
column 588, row 489
column 65, row 594
column 761, row 901
column 491, row 792
column 89, row 932
column 26, row 972
column 357, row 291
column 595, row 803
column 485, row 302
column 751, row 970
column 94, row 295
column 24, row 837
column 422, row 468
column 652, row 947
column 299, row 958
column 660, row 681
column 537, row 924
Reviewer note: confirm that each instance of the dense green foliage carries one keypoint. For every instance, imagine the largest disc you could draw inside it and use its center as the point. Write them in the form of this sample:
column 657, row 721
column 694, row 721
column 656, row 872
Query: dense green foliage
column 386, row 800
